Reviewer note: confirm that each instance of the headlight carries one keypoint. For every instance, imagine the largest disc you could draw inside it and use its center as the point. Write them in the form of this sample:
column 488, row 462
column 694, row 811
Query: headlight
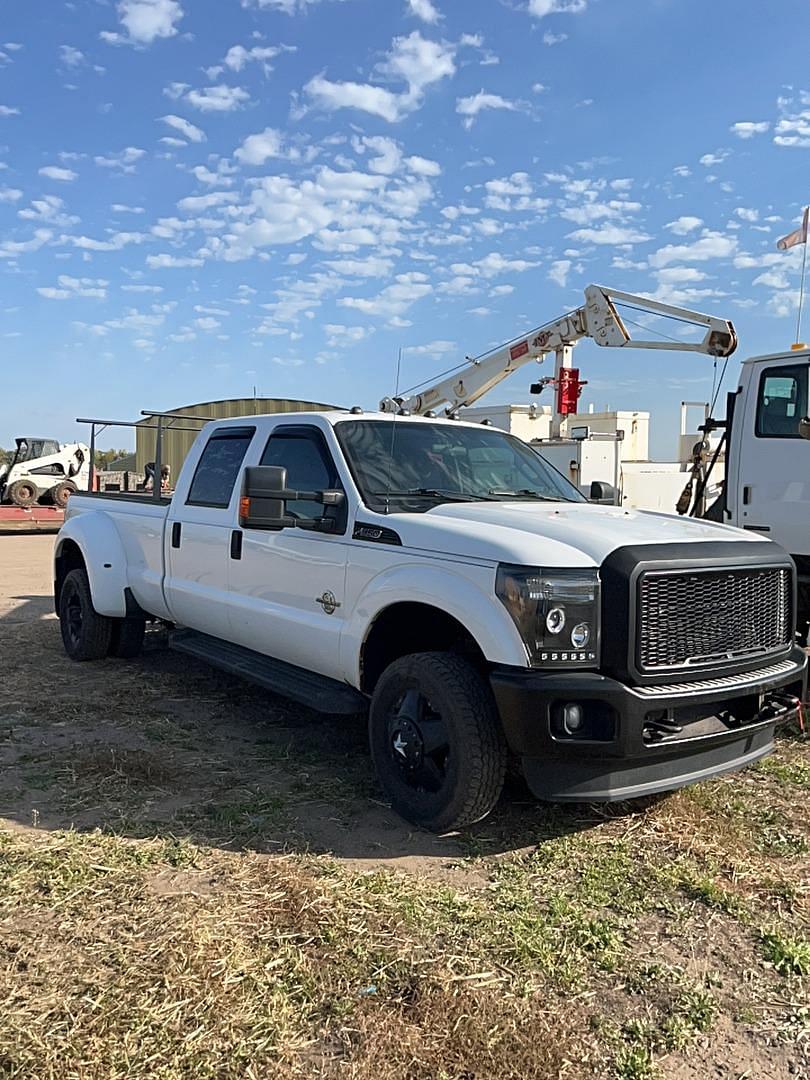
column 544, row 604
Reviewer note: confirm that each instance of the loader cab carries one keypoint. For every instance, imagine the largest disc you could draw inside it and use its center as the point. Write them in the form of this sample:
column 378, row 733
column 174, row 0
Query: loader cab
column 30, row 448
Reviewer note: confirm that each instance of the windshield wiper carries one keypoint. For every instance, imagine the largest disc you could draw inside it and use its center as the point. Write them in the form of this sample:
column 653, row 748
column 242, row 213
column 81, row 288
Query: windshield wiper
column 432, row 493
column 527, row 493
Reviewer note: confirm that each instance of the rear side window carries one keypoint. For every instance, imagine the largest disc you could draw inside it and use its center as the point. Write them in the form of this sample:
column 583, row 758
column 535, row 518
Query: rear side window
column 782, row 402
column 218, row 467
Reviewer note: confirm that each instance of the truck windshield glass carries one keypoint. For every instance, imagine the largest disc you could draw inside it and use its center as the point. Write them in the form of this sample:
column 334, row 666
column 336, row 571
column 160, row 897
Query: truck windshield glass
column 405, row 465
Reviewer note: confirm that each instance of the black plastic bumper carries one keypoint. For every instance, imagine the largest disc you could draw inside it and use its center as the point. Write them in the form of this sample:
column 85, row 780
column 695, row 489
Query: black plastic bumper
column 641, row 740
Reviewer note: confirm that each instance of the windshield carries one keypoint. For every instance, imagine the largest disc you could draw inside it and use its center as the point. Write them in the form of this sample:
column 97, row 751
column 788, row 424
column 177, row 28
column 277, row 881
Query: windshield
column 405, row 465
column 29, row 449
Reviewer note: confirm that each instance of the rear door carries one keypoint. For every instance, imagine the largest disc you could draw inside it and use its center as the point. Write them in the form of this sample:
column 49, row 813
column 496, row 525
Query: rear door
column 287, row 587
column 199, row 534
column 773, row 477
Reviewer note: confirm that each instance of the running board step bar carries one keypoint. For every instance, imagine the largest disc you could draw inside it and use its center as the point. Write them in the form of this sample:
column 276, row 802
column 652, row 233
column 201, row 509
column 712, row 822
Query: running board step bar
column 304, row 687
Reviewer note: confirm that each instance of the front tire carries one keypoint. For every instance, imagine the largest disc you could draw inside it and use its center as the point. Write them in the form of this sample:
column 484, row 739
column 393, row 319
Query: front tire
column 86, row 635
column 23, row 493
column 436, row 741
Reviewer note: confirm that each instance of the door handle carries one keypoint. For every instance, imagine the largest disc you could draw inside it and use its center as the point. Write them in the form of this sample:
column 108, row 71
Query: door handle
column 236, row 544
column 747, row 495
column 176, row 530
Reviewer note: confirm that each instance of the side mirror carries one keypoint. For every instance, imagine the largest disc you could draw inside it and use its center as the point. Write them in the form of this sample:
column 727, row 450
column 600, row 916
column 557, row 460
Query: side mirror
column 804, row 427
column 263, row 504
column 602, row 493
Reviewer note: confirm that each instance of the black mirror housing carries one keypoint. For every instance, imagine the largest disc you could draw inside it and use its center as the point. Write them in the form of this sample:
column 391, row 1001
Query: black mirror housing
column 602, row 493
column 804, row 427
column 263, row 503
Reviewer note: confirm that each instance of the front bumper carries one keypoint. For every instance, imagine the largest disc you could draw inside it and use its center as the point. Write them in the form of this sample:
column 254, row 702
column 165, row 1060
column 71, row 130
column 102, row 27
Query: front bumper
column 642, row 740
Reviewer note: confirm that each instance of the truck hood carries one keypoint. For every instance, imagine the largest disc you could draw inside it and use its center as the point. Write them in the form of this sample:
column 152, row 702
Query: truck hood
column 550, row 534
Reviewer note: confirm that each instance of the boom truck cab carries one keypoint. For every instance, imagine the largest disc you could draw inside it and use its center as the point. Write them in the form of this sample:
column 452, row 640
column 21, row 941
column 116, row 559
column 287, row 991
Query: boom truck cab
column 444, row 578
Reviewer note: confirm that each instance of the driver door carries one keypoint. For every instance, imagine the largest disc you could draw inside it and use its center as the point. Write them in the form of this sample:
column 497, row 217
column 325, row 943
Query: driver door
column 287, row 588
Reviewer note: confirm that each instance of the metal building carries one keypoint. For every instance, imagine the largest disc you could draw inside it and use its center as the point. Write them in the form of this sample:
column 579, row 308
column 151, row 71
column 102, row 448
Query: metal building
column 176, row 444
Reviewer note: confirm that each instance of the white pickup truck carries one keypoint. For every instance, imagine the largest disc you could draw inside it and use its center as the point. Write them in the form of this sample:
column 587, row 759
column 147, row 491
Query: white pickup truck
column 441, row 575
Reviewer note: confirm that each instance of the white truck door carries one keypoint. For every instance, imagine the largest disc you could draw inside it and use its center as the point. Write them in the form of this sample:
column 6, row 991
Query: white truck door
column 287, row 587
column 772, row 489
column 199, row 534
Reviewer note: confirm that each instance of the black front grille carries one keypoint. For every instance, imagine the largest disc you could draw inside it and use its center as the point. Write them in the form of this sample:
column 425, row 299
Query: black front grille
column 690, row 618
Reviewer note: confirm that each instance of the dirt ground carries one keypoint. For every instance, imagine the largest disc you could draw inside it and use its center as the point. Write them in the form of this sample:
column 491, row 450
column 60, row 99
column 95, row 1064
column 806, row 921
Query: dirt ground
column 673, row 929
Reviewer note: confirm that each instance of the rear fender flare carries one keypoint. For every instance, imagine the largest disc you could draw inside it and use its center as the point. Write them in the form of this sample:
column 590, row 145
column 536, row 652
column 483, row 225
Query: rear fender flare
column 104, row 559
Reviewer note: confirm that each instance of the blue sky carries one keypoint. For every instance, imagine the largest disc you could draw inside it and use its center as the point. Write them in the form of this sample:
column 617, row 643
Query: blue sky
column 200, row 196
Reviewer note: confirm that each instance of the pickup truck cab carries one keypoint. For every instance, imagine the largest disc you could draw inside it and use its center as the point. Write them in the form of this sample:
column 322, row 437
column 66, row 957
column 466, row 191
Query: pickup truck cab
column 441, row 575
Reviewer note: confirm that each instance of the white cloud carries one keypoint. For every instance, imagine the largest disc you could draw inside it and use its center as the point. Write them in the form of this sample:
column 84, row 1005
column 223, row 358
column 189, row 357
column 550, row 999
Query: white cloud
column 746, row 214
column 9, row 249
column 412, row 59
column 125, row 161
column 774, row 279
column 185, row 127
column 433, row 348
column 554, row 39
column 375, row 100
column 194, row 204
column 161, row 262
column 424, row 10
column 145, row 21
column 679, row 275
column 50, row 209
column 541, row 8
column 205, row 176
column 256, row 149
column 395, row 299
column 69, row 287
column 423, row 166
column 287, row 7
column 684, row 224
column 70, row 56
column 710, row 160
column 711, row 245
column 387, row 153
column 558, row 272
column 747, row 129
column 207, row 323
column 610, row 234
column 682, row 170
column 238, row 56
column 55, row 172
column 219, row 98
column 8, row 110
column 470, row 107
column 10, row 195
column 793, row 130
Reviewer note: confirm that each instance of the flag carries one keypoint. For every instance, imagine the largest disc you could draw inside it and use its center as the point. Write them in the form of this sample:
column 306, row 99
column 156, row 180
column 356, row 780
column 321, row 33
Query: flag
column 798, row 236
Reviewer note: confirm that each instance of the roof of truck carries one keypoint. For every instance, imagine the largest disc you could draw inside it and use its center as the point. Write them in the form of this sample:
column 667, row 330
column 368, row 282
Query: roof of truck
column 337, row 416
column 787, row 354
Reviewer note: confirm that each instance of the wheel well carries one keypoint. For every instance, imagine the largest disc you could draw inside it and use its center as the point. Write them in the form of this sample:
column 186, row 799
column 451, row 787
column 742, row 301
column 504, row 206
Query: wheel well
column 408, row 628
column 69, row 558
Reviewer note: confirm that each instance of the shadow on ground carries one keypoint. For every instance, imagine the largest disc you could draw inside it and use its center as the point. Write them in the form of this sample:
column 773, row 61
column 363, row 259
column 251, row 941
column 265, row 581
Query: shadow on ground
column 164, row 745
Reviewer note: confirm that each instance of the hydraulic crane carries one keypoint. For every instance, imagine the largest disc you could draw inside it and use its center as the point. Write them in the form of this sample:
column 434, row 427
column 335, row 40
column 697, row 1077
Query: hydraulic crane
column 598, row 319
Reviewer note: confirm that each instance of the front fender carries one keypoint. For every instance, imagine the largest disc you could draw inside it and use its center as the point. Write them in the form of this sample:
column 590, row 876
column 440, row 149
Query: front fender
column 105, row 561
column 477, row 609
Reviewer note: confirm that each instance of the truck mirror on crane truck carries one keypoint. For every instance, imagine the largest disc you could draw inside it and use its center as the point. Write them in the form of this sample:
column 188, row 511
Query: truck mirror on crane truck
column 602, row 493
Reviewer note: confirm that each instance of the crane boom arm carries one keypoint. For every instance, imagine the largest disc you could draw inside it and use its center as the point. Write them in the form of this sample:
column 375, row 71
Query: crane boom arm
column 597, row 319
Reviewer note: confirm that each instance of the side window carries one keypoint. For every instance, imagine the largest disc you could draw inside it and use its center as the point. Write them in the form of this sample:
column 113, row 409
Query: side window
column 782, row 402
column 219, row 466
column 304, row 454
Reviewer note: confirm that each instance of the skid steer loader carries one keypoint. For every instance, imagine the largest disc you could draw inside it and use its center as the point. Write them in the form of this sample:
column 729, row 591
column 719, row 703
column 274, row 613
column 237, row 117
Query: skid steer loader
column 44, row 470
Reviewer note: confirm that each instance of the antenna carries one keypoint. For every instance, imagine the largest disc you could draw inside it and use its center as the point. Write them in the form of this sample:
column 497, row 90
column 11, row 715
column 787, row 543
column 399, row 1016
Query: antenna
column 393, row 432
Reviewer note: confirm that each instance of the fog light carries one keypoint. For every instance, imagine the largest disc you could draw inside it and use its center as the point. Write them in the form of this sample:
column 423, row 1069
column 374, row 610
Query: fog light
column 555, row 620
column 580, row 635
column 573, row 718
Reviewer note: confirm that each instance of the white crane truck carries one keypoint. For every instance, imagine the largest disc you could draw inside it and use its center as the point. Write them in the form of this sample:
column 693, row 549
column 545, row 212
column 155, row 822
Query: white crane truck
column 442, row 576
